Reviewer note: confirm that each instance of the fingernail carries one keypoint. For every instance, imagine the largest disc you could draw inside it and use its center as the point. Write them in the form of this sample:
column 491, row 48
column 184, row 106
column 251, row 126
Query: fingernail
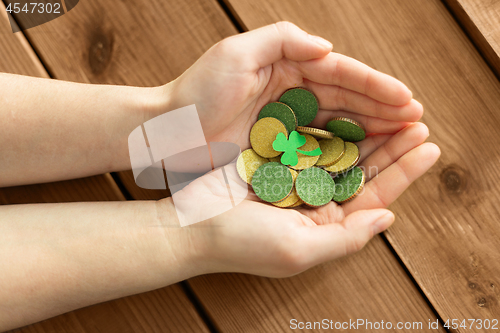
column 323, row 42
column 383, row 223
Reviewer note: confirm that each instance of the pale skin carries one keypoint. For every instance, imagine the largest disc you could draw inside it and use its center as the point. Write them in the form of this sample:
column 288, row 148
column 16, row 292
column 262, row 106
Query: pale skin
column 58, row 257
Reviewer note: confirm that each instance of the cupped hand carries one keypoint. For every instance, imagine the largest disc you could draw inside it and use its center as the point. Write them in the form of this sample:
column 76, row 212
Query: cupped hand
column 233, row 80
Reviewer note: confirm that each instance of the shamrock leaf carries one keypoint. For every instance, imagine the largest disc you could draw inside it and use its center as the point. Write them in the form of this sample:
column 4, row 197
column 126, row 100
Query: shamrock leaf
column 289, row 158
column 290, row 147
column 281, row 143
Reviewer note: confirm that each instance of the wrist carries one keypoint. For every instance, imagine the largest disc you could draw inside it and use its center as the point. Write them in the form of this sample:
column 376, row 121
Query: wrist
column 184, row 245
column 135, row 105
column 155, row 101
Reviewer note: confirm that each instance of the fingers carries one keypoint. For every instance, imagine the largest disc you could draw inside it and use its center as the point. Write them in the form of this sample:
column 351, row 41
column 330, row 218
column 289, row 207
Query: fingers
column 370, row 144
column 331, row 241
column 398, row 145
column 371, row 124
column 341, row 98
column 382, row 190
column 264, row 46
column 339, row 70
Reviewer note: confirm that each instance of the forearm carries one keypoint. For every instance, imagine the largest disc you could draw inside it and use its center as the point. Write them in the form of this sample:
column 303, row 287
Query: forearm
column 58, row 257
column 54, row 130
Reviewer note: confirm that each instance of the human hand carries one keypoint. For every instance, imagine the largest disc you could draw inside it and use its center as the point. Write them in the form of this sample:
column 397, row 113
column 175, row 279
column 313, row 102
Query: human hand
column 234, row 80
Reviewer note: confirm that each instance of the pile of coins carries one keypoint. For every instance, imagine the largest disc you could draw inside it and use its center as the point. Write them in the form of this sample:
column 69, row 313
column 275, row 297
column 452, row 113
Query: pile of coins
column 291, row 164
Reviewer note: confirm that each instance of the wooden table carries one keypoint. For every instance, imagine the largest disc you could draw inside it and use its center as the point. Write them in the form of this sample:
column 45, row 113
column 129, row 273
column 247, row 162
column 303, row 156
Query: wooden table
column 440, row 261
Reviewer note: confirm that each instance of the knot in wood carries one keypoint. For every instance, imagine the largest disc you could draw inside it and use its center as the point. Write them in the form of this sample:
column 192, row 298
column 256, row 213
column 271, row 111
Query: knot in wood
column 100, row 52
column 482, row 303
column 453, row 178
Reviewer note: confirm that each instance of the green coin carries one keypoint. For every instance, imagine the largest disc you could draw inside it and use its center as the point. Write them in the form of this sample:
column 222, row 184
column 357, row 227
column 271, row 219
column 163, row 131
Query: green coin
column 272, row 182
column 348, row 185
column 282, row 112
column 303, row 103
column 346, row 129
column 315, row 186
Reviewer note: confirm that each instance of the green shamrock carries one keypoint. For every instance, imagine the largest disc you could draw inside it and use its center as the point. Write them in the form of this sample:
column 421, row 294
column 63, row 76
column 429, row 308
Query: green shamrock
column 290, row 145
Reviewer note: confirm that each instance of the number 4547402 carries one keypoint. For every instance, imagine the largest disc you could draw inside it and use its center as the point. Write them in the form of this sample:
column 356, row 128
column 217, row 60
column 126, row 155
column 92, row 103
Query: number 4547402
column 34, row 7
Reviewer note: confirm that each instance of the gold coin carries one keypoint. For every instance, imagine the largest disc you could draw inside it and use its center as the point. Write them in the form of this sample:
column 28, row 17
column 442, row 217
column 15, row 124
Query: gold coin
column 297, row 204
column 264, row 133
column 289, row 201
column 316, row 132
column 248, row 162
column 294, row 174
column 348, row 161
column 304, row 160
column 275, row 159
column 332, row 151
column 292, row 198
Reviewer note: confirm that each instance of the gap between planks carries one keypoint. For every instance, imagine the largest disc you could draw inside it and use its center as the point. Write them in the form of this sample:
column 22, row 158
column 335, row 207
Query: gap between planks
column 239, row 24
column 114, row 181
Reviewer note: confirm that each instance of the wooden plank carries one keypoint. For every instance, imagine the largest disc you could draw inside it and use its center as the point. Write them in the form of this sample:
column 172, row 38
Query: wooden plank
column 138, row 43
column 149, row 68
column 481, row 20
column 16, row 53
column 18, row 57
column 366, row 285
column 447, row 223
column 136, row 192
column 98, row 188
column 164, row 310
column 119, row 41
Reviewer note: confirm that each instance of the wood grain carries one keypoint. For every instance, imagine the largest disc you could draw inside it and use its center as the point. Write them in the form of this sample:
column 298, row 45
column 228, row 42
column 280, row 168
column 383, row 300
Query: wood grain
column 481, row 20
column 447, row 222
column 137, row 43
column 368, row 285
column 132, row 53
column 98, row 188
column 164, row 310
column 18, row 57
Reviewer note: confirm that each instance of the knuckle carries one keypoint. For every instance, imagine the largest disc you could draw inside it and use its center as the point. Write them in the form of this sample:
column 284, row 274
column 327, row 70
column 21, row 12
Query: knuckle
column 339, row 96
column 284, row 26
column 225, row 46
column 368, row 84
column 342, row 98
column 336, row 72
column 378, row 110
column 355, row 245
column 228, row 51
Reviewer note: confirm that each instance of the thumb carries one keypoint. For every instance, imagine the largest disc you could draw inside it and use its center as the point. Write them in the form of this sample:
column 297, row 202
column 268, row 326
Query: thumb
column 331, row 241
column 264, row 46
